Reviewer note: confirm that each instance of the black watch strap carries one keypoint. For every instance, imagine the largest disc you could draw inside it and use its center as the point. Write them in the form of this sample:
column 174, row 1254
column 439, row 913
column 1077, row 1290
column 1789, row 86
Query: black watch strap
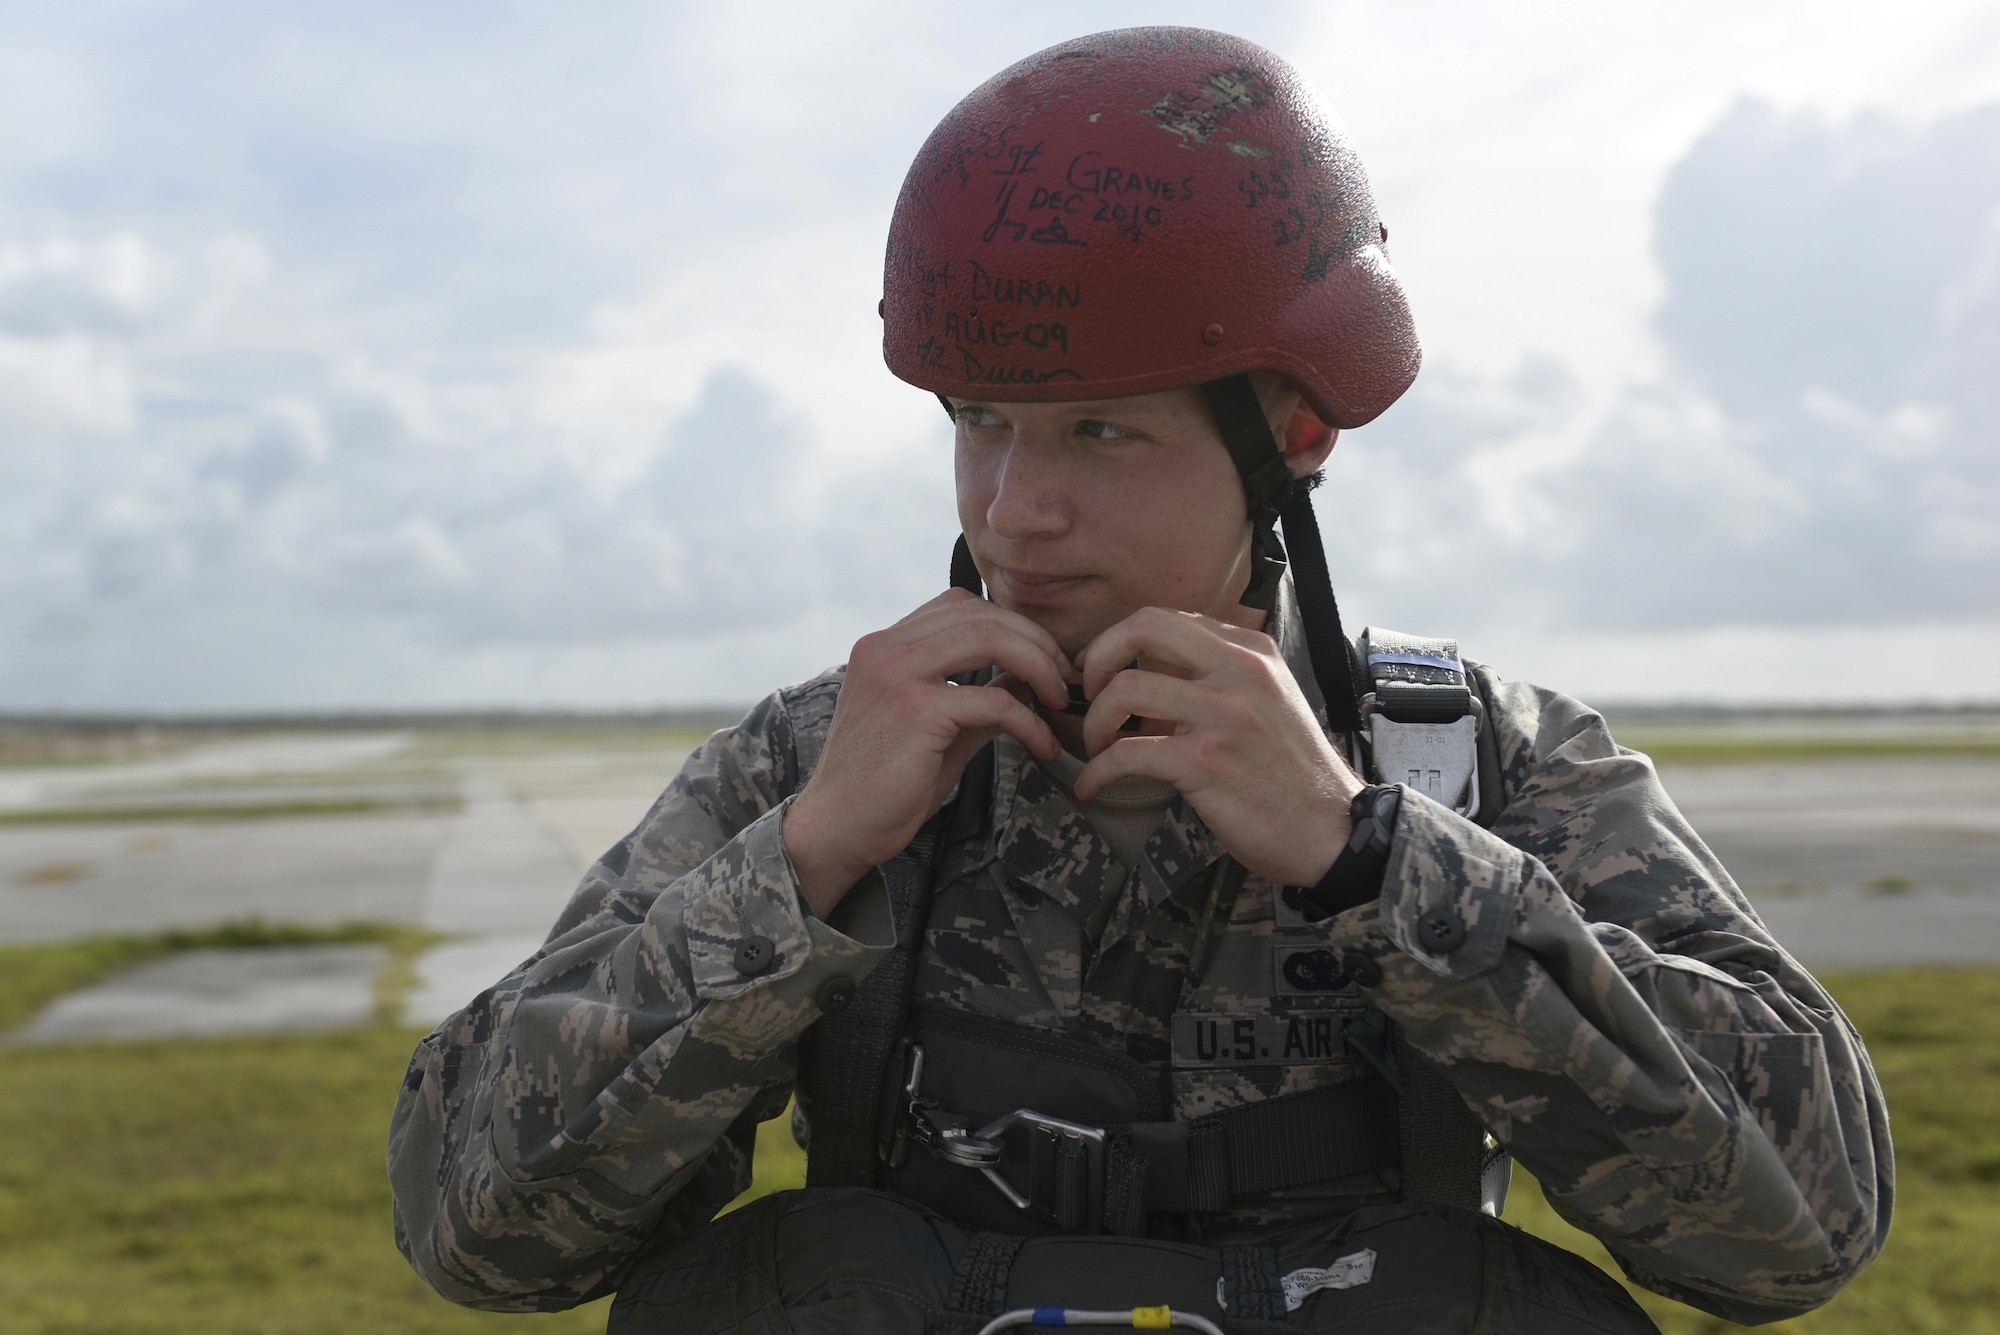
column 1356, row 875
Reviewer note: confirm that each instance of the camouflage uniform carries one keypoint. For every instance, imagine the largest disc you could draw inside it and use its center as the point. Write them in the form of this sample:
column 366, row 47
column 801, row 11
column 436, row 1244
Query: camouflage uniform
column 1616, row 1014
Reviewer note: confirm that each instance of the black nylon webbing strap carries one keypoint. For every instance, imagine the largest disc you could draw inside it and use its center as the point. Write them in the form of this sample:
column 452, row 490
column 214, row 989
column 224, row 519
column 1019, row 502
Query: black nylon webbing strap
column 1124, row 1188
column 844, row 1070
column 964, row 571
column 1252, row 1285
column 1208, row 1166
column 1416, row 679
column 1072, row 1181
column 1333, row 665
column 1232, row 402
column 1270, row 491
column 844, row 1074
column 979, row 1284
column 1299, row 1139
column 1444, row 1145
column 845, row 1060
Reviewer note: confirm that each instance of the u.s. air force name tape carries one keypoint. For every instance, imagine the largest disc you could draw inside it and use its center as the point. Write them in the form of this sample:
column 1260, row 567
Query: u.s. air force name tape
column 1260, row 1039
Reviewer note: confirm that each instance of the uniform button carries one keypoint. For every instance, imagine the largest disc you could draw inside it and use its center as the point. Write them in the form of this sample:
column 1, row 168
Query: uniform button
column 754, row 954
column 835, row 994
column 1361, row 968
column 1441, row 930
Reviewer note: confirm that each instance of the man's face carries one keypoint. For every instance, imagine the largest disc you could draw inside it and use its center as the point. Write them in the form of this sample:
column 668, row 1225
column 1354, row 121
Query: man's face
column 1079, row 514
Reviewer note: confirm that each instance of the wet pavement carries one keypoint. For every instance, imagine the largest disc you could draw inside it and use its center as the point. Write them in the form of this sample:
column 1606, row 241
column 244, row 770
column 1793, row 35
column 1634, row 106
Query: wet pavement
column 493, row 875
column 1854, row 863
column 205, row 993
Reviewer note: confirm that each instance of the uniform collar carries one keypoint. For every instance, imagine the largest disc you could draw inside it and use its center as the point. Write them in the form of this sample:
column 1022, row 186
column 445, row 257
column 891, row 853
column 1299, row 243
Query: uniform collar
column 1051, row 852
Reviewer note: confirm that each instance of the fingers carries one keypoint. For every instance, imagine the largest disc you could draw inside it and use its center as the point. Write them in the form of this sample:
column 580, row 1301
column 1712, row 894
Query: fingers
column 955, row 605
column 1150, row 695
column 1015, row 687
column 963, row 637
column 988, row 710
column 970, row 645
column 1164, row 758
column 1157, row 636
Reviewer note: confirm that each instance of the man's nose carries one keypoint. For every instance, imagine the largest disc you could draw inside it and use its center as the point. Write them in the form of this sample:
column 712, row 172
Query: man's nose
column 1029, row 499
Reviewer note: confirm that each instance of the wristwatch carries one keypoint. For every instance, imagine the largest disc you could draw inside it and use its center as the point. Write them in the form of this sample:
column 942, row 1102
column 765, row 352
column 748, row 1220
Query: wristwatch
column 1356, row 875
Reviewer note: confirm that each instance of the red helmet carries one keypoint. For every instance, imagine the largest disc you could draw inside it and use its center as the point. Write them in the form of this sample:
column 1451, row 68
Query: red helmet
column 1140, row 210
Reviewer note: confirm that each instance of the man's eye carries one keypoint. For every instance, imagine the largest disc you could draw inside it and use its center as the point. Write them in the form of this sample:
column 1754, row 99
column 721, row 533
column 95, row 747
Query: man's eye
column 1097, row 430
column 971, row 414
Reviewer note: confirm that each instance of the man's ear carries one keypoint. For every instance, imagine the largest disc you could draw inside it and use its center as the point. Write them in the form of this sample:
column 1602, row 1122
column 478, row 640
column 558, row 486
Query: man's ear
column 1308, row 441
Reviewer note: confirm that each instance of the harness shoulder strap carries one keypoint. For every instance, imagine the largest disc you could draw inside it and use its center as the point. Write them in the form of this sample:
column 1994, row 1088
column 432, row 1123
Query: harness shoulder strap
column 1427, row 722
column 844, row 1060
column 1430, row 726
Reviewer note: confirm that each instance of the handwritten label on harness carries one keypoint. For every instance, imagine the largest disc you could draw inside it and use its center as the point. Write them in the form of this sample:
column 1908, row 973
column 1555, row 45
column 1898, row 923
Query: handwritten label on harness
column 1353, row 1269
column 1350, row 1271
column 1258, row 1040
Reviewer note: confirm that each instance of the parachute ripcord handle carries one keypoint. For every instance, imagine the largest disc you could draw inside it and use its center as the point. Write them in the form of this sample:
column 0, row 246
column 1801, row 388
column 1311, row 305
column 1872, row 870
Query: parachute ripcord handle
column 1138, row 1318
column 1272, row 495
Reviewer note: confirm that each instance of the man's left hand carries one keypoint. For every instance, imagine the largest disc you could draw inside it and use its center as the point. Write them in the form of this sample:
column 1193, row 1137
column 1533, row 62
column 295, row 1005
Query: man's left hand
column 1244, row 747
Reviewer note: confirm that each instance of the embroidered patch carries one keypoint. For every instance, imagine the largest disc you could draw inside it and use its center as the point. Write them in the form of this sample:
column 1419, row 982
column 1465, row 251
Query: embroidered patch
column 1258, row 1040
column 1308, row 970
column 1351, row 1270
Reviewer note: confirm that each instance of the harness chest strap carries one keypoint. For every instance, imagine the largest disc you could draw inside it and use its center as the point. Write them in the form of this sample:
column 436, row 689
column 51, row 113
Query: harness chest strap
column 1107, row 1178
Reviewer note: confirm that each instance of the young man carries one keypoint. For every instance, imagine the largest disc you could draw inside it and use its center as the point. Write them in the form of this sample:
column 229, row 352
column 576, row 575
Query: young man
column 1126, row 940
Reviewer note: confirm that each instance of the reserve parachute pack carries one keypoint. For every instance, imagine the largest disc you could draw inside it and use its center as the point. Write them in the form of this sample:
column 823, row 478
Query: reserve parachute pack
column 840, row 1261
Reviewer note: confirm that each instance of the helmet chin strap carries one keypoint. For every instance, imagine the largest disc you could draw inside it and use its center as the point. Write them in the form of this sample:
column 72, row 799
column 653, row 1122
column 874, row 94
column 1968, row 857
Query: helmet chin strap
column 964, row 570
column 1273, row 495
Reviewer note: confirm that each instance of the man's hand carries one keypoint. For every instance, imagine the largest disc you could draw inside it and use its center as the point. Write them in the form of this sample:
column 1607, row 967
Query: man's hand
column 902, row 734
column 1244, row 748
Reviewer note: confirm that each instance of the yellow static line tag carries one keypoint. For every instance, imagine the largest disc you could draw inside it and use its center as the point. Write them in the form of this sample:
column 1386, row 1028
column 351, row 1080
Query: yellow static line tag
column 1152, row 1318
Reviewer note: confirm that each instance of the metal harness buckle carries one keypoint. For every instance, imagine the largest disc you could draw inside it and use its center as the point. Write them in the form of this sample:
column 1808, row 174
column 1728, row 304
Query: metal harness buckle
column 948, row 1136
column 1422, row 718
column 944, row 1134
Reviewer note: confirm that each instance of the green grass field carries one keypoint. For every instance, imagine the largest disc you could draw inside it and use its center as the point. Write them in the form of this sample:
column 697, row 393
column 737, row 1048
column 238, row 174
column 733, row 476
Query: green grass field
column 237, row 1185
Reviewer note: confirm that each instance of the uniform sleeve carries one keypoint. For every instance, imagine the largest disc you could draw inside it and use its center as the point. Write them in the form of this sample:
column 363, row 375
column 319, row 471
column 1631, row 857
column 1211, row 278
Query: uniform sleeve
column 610, row 1087
column 1612, row 1008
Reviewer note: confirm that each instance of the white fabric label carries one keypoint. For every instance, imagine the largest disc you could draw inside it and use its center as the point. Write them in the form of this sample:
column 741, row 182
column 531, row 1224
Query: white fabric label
column 1346, row 1273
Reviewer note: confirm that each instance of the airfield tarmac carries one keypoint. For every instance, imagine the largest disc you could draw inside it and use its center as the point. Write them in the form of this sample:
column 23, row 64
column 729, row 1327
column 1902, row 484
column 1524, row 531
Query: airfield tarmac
column 483, row 835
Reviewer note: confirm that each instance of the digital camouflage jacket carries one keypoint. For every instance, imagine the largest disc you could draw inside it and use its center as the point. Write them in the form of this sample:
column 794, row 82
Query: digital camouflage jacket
column 1616, row 1013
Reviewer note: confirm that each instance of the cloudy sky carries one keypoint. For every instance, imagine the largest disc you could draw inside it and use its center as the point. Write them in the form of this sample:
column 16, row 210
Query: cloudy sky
column 380, row 354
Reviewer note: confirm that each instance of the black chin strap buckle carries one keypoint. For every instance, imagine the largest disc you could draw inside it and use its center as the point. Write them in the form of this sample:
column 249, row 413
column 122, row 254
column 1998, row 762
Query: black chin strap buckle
column 1267, row 569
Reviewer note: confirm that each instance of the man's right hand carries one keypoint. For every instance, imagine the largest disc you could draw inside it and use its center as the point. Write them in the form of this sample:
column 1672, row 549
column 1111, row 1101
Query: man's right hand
column 902, row 733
